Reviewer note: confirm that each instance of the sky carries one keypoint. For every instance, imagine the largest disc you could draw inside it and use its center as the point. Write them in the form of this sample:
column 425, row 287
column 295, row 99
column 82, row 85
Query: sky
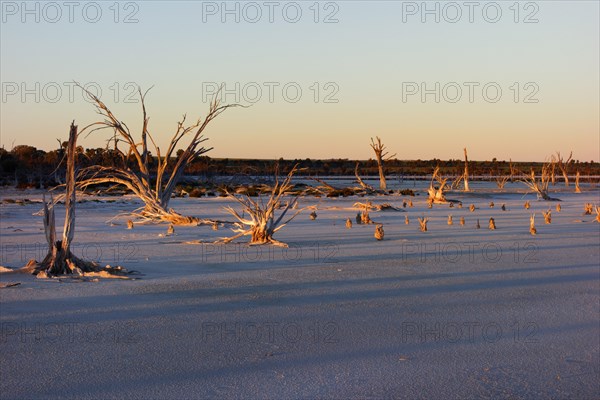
column 506, row 79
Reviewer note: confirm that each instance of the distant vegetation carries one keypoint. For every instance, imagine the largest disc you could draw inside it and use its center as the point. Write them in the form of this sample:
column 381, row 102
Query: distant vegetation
column 28, row 167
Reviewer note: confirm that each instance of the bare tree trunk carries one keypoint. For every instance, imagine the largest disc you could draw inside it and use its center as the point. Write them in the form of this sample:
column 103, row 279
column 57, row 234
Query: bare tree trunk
column 156, row 197
column 380, row 156
column 563, row 166
column 466, row 175
column 60, row 260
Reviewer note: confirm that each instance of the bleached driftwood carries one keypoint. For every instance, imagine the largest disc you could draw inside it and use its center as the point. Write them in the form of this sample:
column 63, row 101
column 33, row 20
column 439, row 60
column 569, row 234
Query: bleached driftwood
column 366, row 187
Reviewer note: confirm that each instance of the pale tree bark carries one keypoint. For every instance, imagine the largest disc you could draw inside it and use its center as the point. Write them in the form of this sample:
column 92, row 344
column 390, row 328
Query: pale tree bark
column 577, row 188
column 540, row 186
column 156, row 196
column 262, row 222
column 466, row 173
column 381, row 156
column 368, row 188
column 437, row 194
column 563, row 166
column 60, row 260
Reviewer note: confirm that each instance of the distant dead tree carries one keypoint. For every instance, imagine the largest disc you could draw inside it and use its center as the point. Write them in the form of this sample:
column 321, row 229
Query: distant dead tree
column 466, row 173
column 170, row 165
column 501, row 181
column 577, row 188
column 513, row 170
column 540, row 186
column 436, row 194
column 381, row 156
column 563, row 165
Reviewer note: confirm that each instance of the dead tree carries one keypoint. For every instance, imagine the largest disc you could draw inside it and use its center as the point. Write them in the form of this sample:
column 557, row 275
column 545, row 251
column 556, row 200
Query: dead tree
column 60, row 260
column 366, row 187
column 381, row 156
column 512, row 169
column 466, row 173
column 262, row 223
column 540, row 186
column 563, row 166
column 501, row 181
column 577, row 188
column 155, row 195
column 436, row 194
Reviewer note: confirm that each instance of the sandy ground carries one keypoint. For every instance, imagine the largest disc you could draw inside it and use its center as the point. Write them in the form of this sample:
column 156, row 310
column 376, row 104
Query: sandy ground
column 452, row 313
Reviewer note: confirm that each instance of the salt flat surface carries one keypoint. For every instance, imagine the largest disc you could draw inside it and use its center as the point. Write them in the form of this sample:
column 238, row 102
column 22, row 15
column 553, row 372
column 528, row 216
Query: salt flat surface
column 455, row 312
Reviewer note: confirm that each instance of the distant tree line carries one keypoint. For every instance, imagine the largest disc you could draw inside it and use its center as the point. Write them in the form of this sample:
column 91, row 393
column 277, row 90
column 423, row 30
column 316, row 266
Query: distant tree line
column 26, row 166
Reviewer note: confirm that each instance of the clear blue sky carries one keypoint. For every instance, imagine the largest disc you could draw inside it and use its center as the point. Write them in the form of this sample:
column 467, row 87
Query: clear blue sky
column 374, row 61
